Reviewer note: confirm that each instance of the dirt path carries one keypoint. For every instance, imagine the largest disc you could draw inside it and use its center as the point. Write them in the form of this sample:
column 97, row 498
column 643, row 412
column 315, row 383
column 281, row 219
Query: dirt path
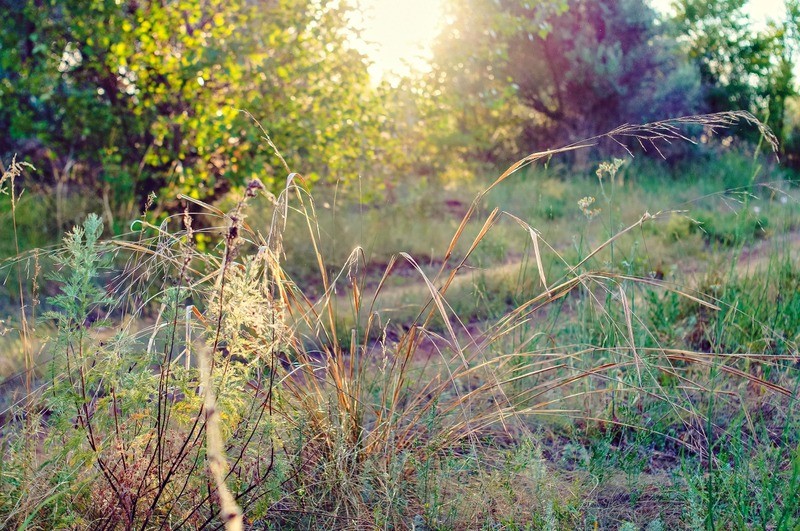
column 757, row 257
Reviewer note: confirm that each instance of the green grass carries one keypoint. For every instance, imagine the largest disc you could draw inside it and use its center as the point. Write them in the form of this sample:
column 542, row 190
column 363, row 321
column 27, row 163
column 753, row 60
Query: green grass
column 706, row 220
column 554, row 367
column 711, row 211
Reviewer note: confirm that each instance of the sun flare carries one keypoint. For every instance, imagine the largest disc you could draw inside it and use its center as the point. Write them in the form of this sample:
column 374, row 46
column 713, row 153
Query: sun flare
column 397, row 35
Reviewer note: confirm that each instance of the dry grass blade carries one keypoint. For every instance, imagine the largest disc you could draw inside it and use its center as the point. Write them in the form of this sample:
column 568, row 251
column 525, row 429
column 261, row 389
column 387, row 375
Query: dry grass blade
column 733, row 371
column 230, row 513
column 645, row 217
column 491, row 219
column 651, row 133
column 668, row 287
column 626, row 310
column 436, row 297
column 534, row 234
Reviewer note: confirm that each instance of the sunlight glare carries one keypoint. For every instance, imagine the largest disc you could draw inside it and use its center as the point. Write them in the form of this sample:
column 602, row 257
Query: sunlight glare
column 398, row 34
column 760, row 11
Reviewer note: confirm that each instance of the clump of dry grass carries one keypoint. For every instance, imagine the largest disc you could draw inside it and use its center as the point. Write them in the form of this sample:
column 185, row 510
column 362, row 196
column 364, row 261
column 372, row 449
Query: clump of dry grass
column 305, row 423
column 384, row 404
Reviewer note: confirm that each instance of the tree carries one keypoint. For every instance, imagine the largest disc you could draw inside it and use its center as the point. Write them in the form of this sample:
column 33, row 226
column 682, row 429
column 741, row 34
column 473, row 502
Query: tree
column 741, row 67
column 579, row 67
column 144, row 96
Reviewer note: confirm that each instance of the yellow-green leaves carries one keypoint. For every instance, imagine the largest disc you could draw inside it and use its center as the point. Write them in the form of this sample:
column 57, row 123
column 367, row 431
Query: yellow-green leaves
column 161, row 85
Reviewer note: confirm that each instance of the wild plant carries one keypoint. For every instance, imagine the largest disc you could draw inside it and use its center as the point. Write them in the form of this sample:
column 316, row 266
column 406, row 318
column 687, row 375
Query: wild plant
column 309, row 407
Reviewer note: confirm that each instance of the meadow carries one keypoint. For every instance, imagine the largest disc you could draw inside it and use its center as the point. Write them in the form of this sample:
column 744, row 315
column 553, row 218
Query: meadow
column 607, row 347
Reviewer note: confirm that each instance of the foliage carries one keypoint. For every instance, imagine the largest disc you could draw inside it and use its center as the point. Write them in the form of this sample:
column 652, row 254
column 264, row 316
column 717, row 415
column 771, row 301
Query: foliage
column 141, row 96
column 547, row 73
column 378, row 389
column 122, row 414
column 741, row 67
column 752, row 483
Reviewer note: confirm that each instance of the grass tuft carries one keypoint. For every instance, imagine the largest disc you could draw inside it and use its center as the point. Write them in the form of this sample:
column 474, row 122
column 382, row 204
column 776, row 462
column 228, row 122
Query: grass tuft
column 498, row 385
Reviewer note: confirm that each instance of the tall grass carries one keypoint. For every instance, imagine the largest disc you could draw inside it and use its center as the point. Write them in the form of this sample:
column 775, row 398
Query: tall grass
column 309, row 408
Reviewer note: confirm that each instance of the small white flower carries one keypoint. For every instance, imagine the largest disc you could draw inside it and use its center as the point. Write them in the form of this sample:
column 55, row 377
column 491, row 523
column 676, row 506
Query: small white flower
column 585, row 205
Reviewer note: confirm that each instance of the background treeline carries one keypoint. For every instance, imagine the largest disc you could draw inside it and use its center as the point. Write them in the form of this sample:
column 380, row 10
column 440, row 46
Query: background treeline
column 133, row 97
